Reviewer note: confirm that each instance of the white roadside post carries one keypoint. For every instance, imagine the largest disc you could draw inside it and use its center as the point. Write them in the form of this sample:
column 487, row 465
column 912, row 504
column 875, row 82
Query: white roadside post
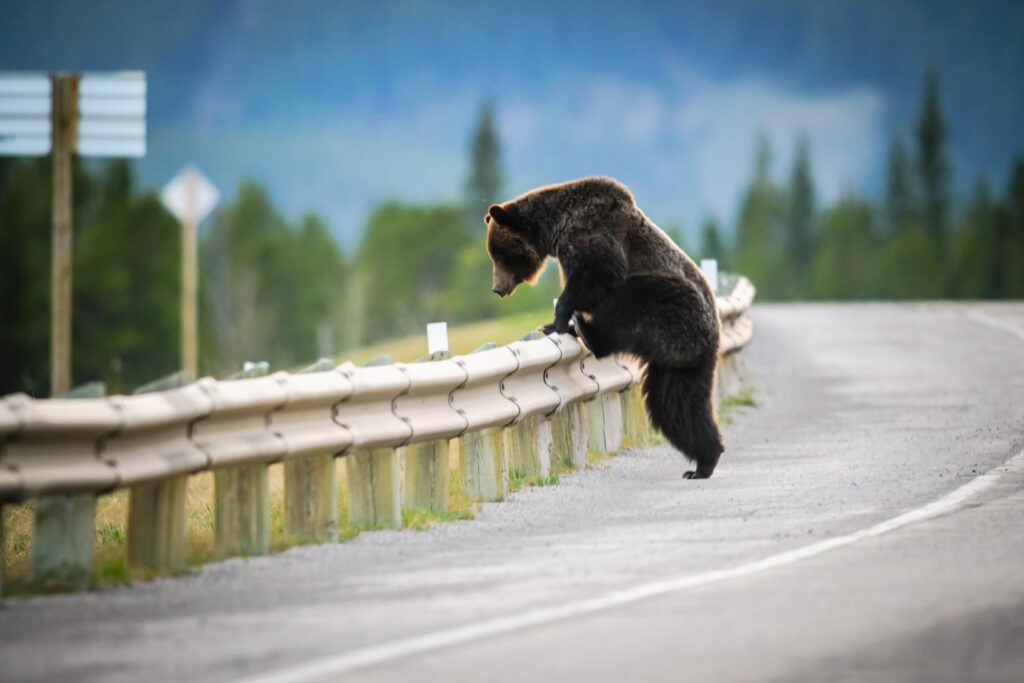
column 709, row 267
column 190, row 196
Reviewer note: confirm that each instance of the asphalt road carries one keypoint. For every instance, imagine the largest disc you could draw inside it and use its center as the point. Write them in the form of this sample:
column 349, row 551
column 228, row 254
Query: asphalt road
column 866, row 523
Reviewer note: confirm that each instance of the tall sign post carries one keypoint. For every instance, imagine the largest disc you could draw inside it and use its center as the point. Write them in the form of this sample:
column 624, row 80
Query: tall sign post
column 190, row 196
column 92, row 114
column 63, row 128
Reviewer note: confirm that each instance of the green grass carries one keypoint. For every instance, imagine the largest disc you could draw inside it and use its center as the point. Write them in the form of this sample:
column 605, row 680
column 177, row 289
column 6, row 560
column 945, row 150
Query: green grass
column 461, row 339
column 744, row 399
column 517, row 480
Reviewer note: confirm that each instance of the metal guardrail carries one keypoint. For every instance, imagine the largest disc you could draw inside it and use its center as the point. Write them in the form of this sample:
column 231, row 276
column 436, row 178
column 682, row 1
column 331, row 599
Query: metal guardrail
column 513, row 411
column 54, row 446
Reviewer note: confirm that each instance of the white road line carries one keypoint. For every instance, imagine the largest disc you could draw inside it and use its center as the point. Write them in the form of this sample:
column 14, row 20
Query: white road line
column 996, row 323
column 345, row 662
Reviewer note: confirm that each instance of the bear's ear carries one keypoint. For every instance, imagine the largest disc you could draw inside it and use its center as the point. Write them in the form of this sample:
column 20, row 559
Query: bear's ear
column 502, row 216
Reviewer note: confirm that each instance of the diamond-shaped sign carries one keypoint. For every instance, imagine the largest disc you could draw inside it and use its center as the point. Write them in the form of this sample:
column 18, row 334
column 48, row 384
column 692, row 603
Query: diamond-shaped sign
column 190, row 196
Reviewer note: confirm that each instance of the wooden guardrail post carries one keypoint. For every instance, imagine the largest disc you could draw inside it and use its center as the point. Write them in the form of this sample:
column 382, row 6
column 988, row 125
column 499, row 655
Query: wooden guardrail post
column 426, row 467
column 374, row 493
column 484, row 466
column 595, row 425
column 426, row 476
column 156, row 510
column 64, row 529
column 529, row 445
column 310, row 490
column 241, row 511
column 374, row 483
column 634, row 417
column 241, row 501
column 612, row 405
column 569, row 436
column 483, row 462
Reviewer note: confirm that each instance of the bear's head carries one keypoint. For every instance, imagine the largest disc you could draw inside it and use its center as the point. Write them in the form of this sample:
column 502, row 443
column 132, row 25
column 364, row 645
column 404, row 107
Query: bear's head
column 513, row 251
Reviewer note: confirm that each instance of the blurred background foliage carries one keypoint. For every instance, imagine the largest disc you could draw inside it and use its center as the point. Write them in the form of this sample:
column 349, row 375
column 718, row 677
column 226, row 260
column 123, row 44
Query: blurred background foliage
column 284, row 291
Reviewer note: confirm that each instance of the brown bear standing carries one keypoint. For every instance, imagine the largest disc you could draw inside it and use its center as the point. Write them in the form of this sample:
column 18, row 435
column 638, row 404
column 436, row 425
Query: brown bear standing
column 628, row 289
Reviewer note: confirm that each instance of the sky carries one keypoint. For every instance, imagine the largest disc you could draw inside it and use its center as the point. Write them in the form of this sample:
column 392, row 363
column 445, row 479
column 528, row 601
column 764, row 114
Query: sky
column 339, row 106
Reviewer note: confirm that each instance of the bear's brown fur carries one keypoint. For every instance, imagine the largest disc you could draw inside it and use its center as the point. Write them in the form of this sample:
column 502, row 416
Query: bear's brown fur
column 627, row 289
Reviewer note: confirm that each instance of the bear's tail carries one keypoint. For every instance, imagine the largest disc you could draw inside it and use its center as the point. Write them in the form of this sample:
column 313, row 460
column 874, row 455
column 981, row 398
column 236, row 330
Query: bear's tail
column 679, row 402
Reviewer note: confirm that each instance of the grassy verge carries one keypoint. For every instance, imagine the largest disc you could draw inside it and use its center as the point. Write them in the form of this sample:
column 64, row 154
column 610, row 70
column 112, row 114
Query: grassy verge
column 461, row 339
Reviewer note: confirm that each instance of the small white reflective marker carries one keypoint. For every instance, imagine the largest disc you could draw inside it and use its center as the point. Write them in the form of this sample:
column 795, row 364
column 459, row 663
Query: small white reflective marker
column 554, row 302
column 709, row 266
column 437, row 337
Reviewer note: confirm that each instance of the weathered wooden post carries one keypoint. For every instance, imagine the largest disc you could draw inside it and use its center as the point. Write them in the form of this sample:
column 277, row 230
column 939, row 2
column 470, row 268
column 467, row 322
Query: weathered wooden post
column 634, row 416
column 157, row 520
column 426, row 476
column 64, row 113
column 374, row 489
column 612, row 421
column 374, row 475
column 595, row 426
column 310, row 489
column 64, row 529
column 569, row 436
column 241, row 522
column 529, row 445
column 241, row 494
column 483, row 464
column 529, row 441
column 426, row 464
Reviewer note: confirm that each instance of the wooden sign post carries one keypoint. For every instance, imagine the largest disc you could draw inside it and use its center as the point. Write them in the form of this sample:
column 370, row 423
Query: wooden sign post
column 64, row 120
column 92, row 114
column 190, row 197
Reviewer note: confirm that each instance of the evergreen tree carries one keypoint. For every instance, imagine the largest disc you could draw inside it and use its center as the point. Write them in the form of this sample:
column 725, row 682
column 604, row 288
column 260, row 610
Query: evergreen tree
column 484, row 182
column 405, row 286
column 975, row 257
column 899, row 192
column 760, row 234
column 801, row 208
column 1010, row 243
column 842, row 267
column 127, row 320
column 933, row 164
column 711, row 242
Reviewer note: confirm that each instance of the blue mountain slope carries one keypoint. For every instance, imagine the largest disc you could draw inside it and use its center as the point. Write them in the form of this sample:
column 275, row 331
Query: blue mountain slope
column 339, row 105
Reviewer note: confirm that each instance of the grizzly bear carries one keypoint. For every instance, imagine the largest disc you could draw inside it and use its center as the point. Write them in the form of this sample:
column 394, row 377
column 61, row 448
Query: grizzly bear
column 627, row 288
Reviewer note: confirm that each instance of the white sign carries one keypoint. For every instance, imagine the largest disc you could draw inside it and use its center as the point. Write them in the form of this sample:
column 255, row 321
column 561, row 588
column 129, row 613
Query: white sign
column 190, row 196
column 24, row 113
column 709, row 266
column 437, row 337
column 111, row 114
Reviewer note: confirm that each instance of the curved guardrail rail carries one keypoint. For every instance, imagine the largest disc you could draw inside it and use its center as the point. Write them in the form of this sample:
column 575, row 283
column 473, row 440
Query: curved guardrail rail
column 534, row 388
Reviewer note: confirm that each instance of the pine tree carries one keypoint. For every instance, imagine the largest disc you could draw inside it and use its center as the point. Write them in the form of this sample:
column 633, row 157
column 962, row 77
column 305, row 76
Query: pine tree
column 760, row 251
column 1010, row 242
column 711, row 241
column 484, row 182
column 933, row 164
column 899, row 192
column 801, row 208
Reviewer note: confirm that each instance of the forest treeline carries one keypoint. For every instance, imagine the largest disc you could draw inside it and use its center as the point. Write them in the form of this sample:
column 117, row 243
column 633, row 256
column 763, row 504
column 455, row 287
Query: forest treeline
column 283, row 291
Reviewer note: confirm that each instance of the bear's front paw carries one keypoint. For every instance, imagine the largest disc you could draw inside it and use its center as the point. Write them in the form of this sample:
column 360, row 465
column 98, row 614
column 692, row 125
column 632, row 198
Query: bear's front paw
column 591, row 337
